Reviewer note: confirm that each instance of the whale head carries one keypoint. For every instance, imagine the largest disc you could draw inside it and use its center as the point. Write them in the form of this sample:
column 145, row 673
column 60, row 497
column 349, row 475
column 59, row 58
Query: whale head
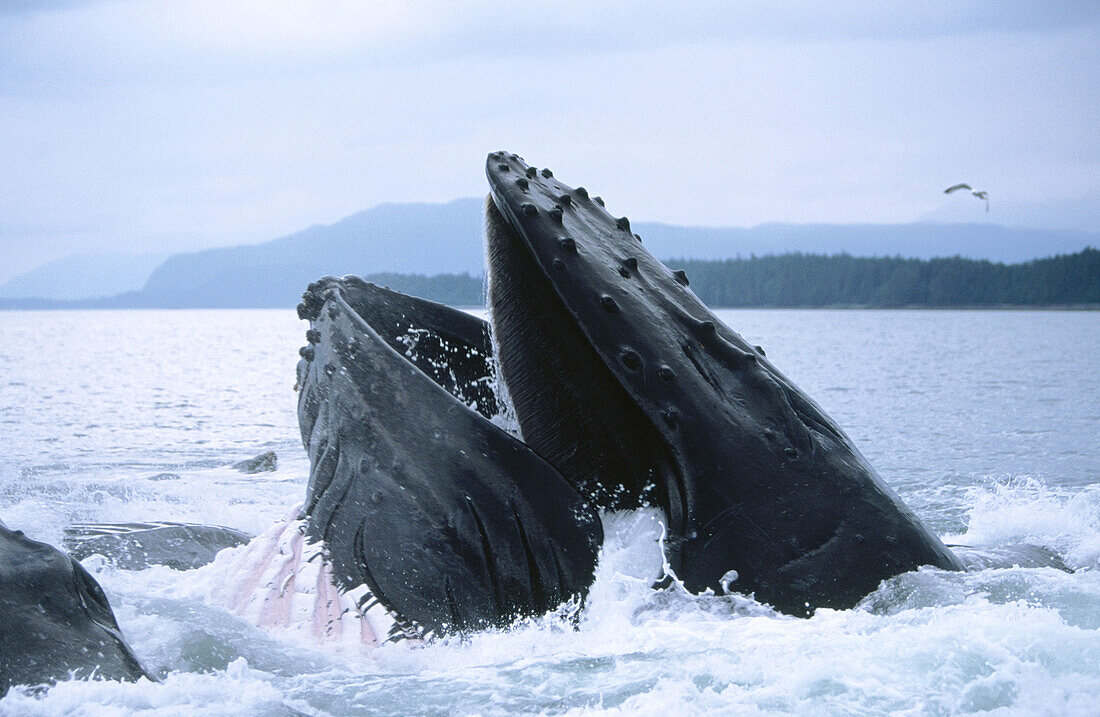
column 625, row 381
column 55, row 619
column 447, row 520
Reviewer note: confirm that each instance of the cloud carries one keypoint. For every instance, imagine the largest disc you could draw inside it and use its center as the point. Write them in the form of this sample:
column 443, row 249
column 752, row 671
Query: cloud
column 166, row 124
column 209, row 39
column 30, row 7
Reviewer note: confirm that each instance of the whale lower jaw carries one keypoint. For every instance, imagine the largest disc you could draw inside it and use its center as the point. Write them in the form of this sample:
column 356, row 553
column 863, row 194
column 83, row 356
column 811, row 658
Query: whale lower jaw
column 448, row 520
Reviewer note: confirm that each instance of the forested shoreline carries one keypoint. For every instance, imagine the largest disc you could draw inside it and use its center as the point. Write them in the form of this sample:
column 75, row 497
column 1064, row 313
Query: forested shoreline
column 793, row 280
column 816, row 280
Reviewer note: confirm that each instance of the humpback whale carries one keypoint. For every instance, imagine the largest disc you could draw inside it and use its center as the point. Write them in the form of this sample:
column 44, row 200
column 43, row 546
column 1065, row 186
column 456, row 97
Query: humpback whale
column 54, row 619
column 628, row 392
column 623, row 379
column 446, row 519
column 136, row 546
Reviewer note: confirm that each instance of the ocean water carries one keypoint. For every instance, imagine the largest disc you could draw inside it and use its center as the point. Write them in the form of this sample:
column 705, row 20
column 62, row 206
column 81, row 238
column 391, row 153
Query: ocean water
column 986, row 423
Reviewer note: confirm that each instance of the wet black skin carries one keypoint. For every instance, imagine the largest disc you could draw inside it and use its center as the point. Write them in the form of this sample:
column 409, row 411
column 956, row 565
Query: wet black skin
column 637, row 393
column 449, row 521
column 55, row 619
column 136, row 546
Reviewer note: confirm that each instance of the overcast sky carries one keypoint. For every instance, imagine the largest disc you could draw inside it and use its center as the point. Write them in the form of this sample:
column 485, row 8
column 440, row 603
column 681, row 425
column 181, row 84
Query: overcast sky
column 167, row 126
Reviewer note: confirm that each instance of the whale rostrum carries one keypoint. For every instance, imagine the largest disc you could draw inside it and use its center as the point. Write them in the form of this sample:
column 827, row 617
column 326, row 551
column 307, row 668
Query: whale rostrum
column 602, row 345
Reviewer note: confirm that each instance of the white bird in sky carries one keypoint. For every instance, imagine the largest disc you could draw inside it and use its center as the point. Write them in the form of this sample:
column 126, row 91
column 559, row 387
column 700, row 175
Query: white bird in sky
column 983, row 195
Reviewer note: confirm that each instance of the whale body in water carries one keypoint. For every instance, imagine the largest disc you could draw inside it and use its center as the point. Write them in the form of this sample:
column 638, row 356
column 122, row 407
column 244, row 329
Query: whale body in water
column 427, row 514
column 54, row 619
column 628, row 392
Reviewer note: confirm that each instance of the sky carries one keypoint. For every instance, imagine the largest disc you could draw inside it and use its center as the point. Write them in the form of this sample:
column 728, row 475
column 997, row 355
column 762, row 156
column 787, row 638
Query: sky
column 144, row 126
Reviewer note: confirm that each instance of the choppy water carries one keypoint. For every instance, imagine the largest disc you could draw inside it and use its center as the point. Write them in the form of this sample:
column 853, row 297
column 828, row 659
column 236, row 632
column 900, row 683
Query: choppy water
column 987, row 424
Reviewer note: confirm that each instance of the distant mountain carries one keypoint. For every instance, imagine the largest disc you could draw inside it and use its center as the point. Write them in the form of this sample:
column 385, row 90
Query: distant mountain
column 430, row 239
column 398, row 238
column 913, row 241
column 83, row 277
column 434, row 239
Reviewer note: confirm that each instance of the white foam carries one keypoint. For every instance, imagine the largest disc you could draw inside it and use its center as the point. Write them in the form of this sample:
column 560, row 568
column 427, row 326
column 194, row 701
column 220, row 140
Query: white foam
column 933, row 642
column 238, row 690
column 281, row 582
column 1026, row 510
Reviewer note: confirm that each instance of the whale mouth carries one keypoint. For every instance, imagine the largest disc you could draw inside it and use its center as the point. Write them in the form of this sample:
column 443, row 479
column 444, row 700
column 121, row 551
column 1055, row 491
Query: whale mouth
column 559, row 357
column 449, row 347
column 627, row 382
column 450, row 523
column 569, row 406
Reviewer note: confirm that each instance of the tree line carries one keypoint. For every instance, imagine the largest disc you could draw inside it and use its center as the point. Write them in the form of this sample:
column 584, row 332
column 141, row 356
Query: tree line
column 814, row 280
column 783, row 280
column 794, row 280
column 451, row 289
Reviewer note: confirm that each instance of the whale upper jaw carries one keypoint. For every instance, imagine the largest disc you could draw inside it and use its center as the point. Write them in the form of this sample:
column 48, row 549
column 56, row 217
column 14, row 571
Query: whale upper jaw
column 752, row 473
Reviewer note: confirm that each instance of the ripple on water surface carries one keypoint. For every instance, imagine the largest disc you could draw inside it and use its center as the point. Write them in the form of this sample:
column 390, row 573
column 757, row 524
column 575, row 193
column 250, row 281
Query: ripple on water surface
column 135, row 416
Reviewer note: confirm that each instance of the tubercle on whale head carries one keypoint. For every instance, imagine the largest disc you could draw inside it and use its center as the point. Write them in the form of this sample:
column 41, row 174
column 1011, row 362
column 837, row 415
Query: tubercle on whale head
column 601, row 278
column 535, row 225
column 757, row 477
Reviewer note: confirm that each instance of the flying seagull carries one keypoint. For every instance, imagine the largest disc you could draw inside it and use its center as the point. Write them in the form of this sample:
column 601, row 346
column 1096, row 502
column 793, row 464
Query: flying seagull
column 983, row 195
